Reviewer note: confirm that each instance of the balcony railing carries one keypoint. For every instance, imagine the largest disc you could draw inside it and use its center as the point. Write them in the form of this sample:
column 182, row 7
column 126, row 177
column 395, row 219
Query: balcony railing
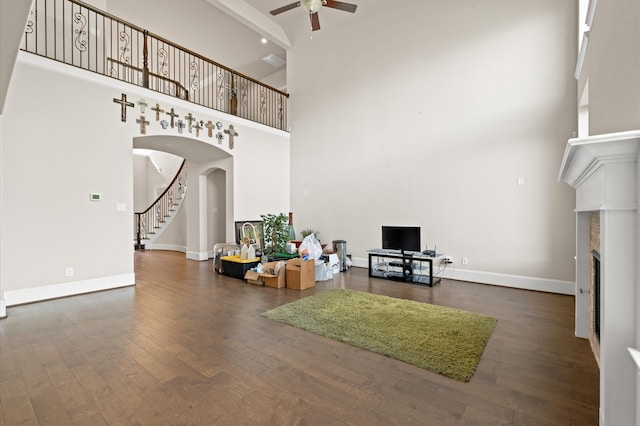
column 78, row 34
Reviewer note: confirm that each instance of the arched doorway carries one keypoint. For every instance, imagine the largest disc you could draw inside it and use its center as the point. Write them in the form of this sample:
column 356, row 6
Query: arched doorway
column 206, row 214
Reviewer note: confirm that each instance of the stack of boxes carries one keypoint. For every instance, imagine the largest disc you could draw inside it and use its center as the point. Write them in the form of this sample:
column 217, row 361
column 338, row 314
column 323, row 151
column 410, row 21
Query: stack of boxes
column 296, row 274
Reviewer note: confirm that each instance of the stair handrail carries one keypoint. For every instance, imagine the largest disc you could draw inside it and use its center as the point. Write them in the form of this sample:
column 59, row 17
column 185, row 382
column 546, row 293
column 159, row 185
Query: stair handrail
column 150, row 219
column 89, row 38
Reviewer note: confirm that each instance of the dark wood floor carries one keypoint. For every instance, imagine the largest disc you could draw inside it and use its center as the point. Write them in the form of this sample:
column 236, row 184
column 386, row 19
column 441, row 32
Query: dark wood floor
column 187, row 346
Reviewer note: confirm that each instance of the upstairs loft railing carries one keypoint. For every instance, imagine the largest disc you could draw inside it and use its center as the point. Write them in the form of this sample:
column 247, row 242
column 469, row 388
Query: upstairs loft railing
column 78, row 34
column 156, row 214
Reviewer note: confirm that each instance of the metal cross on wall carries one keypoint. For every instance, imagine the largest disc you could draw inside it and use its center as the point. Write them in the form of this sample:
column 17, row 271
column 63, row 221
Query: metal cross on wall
column 143, row 105
column 190, row 118
column 232, row 133
column 198, row 126
column 143, row 124
column 210, row 126
column 123, row 106
column 158, row 111
column 173, row 115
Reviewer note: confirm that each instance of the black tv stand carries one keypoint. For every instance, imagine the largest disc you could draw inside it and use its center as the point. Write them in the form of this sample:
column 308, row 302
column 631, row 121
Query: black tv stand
column 406, row 266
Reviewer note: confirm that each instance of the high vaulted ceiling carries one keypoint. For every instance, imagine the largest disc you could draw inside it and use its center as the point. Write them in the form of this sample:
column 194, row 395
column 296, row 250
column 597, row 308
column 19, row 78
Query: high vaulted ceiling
column 284, row 30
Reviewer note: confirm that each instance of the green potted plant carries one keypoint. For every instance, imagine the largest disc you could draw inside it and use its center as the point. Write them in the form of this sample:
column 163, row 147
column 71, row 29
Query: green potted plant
column 275, row 229
column 308, row 231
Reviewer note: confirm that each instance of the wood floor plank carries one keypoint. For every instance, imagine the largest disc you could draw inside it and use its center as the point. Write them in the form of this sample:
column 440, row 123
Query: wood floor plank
column 15, row 402
column 189, row 346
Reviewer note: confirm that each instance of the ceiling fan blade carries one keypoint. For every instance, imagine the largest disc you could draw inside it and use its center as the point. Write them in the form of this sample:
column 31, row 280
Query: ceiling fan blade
column 347, row 7
column 285, row 8
column 315, row 21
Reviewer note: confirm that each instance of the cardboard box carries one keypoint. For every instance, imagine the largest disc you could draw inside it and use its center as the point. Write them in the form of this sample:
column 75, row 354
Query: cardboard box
column 272, row 280
column 253, row 277
column 301, row 274
column 268, row 278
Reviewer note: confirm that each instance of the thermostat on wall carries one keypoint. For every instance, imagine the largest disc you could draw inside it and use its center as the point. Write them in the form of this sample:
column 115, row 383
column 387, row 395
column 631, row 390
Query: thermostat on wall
column 94, row 196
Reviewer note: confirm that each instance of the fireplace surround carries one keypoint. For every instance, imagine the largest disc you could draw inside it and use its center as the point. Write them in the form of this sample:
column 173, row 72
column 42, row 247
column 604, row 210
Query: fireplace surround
column 604, row 171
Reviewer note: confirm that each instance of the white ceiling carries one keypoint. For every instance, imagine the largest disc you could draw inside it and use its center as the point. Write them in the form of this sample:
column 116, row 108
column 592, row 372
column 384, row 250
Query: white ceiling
column 282, row 31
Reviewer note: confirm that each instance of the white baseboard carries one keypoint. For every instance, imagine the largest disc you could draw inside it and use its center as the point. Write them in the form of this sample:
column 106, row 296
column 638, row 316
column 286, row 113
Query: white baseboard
column 195, row 255
column 36, row 294
column 504, row 280
column 169, row 247
column 191, row 255
column 515, row 281
column 3, row 309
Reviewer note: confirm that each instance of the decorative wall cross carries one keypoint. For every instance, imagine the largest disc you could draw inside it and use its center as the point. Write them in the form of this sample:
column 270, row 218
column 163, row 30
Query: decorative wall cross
column 158, row 111
column 198, row 126
column 190, row 118
column 164, row 124
column 123, row 106
column 143, row 105
column 143, row 124
column 173, row 115
column 210, row 126
column 231, row 132
column 220, row 136
column 181, row 126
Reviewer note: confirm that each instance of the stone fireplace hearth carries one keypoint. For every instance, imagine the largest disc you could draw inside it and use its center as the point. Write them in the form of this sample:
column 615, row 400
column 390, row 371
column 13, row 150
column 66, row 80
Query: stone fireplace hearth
column 604, row 171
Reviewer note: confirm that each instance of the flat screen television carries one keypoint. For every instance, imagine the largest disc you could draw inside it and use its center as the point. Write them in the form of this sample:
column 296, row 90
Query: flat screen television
column 405, row 238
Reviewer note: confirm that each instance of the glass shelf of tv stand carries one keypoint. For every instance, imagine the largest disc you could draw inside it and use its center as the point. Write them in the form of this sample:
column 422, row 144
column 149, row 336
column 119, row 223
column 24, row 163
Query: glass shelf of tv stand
column 406, row 266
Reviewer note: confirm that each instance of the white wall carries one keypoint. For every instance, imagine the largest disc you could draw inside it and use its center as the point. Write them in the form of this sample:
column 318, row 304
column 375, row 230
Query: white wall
column 151, row 170
column 56, row 151
column 428, row 118
column 70, row 143
column 612, row 68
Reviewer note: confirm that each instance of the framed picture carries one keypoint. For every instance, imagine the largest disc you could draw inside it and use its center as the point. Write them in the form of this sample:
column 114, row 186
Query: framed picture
column 251, row 229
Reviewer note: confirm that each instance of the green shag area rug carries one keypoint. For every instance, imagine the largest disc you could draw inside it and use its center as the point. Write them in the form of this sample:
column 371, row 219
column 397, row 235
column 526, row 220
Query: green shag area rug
column 443, row 340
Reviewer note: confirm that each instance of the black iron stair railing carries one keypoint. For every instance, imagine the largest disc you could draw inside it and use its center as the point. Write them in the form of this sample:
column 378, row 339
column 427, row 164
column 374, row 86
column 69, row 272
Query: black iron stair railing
column 148, row 221
column 78, row 34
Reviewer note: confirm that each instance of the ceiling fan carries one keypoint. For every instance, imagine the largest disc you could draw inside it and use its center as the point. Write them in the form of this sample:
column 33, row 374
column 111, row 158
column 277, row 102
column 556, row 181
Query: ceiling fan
column 312, row 7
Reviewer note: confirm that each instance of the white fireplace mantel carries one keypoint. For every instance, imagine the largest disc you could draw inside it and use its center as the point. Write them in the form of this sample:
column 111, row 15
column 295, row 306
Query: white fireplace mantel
column 604, row 171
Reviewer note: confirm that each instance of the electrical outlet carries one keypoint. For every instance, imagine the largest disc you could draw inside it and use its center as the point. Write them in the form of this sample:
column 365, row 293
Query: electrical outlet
column 448, row 259
column 69, row 272
column 465, row 261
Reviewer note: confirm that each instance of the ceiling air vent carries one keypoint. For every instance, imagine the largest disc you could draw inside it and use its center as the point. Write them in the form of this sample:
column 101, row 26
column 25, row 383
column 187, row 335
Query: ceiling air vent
column 274, row 60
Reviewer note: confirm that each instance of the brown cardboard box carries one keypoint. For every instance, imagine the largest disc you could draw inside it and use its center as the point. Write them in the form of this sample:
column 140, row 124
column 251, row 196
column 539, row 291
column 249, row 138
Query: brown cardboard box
column 267, row 278
column 301, row 274
column 271, row 280
column 253, row 277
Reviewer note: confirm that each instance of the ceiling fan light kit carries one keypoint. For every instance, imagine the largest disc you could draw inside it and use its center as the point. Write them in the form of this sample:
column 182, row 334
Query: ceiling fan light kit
column 313, row 6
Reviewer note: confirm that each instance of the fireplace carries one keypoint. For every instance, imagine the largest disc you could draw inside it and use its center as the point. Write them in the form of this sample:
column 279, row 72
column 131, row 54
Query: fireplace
column 604, row 171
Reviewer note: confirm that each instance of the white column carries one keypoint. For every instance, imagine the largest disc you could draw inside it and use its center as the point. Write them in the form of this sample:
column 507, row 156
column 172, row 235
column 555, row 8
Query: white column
column 618, row 317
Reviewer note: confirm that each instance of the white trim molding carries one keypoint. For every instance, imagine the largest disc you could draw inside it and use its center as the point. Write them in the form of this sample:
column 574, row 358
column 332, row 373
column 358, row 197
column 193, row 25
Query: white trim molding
column 195, row 255
column 36, row 294
column 591, row 12
column 168, row 247
column 635, row 354
column 582, row 55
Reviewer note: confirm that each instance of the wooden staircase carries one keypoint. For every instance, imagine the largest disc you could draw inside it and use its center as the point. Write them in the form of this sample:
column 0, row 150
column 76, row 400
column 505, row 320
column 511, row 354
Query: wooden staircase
column 150, row 223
